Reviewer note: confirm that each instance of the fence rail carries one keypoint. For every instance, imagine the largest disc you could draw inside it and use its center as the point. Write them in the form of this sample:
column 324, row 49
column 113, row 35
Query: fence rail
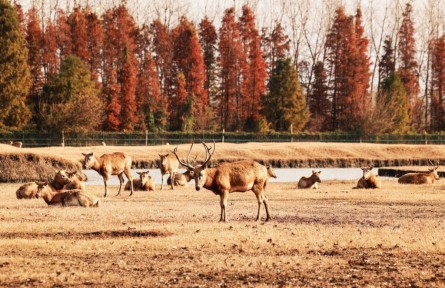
column 45, row 139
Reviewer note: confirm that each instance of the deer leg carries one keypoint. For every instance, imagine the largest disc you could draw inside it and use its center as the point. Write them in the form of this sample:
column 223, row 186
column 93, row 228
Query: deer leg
column 173, row 178
column 223, row 202
column 105, row 183
column 130, row 179
column 266, row 205
column 121, row 180
column 259, row 198
column 162, row 181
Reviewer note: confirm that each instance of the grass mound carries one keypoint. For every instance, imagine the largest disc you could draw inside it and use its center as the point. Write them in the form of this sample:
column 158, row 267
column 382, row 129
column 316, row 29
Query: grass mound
column 18, row 166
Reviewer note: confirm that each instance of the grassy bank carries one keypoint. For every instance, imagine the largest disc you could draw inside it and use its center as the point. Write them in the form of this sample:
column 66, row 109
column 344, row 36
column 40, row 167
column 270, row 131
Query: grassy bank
column 335, row 236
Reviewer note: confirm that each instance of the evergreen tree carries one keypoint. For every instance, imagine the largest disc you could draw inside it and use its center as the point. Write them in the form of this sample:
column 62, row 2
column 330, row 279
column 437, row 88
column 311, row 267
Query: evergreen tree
column 319, row 104
column 14, row 69
column 72, row 99
column 408, row 67
column 285, row 105
column 391, row 111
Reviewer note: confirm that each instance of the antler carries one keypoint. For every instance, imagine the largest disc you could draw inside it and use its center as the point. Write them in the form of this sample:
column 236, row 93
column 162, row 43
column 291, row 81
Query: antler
column 181, row 162
column 208, row 154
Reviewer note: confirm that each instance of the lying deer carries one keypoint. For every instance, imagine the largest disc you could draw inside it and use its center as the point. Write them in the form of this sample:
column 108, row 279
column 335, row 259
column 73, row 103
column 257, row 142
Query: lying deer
column 77, row 181
column 65, row 198
column 369, row 180
column 226, row 178
column 181, row 179
column 27, row 191
column 310, row 182
column 144, row 183
column 421, row 178
column 111, row 164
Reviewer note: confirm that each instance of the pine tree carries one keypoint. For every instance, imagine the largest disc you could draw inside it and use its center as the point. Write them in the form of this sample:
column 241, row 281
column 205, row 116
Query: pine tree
column 285, row 105
column 73, row 101
column 319, row 104
column 14, row 69
column 387, row 65
column 408, row 67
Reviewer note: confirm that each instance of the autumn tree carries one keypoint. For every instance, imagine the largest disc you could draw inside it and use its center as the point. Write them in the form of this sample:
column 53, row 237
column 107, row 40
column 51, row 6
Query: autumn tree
column 94, row 42
column 72, row 101
column 77, row 23
column 189, row 61
column 231, row 61
column 14, row 70
column 152, row 107
column 437, row 51
column 63, row 34
column 254, row 72
column 50, row 56
column 120, row 69
column 285, row 104
column 276, row 45
column 349, row 71
column 408, row 67
column 34, row 40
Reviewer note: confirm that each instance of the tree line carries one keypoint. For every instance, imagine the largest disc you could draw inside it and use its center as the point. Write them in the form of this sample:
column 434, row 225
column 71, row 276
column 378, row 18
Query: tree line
column 81, row 71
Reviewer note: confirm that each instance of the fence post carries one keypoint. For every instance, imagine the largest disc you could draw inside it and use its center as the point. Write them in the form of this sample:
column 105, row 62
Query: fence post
column 291, row 132
column 224, row 131
column 146, row 137
column 63, row 138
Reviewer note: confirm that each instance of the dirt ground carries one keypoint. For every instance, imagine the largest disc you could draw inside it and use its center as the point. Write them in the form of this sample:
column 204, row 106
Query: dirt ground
column 334, row 236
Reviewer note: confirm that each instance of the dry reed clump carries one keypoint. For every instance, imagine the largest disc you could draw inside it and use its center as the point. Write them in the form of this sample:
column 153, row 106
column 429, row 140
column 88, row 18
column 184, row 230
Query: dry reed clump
column 25, row 167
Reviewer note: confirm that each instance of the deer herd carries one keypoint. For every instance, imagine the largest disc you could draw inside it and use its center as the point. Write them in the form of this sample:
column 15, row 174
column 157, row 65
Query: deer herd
column 68, row 188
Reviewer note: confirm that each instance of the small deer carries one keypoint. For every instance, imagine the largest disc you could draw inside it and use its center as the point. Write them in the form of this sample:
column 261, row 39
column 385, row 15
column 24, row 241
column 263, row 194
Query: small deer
column 106, row 165
column 226, row 178
column 27, row 191
column 421, row 178
column 65, row 198
column 369, row 180
column 310, row 182
column 144, row 183
column 17, row 144
column 168, row 164
column 77, row 181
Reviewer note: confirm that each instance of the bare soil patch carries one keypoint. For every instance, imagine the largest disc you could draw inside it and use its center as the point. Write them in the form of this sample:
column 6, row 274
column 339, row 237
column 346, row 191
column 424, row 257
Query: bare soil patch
column 334, row 236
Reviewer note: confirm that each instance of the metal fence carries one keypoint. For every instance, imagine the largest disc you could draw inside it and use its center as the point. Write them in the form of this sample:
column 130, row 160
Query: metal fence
column 51, row 138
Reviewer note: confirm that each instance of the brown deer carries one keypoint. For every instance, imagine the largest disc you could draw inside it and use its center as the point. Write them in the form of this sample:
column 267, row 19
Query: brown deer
column 369, row 180
column 144, row 183
column 65, row 198
column 77, row 181
column 17, row 144
column 310, row 182
column 181, row 179
column 168, row 164
column 421, row 178
column 226, row 178
column 106, row 165
column 27, row 191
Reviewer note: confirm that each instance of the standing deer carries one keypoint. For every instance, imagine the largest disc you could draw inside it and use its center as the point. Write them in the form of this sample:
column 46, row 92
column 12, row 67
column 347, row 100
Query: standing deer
column 226, row 178
column 369, row 180
column 168, row 164
column 310, row 182
column 17, row 144
column 111, row 164
column 421, row 178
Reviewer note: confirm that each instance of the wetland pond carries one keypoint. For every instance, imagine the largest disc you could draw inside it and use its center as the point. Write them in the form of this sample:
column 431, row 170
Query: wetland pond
column 283, row 175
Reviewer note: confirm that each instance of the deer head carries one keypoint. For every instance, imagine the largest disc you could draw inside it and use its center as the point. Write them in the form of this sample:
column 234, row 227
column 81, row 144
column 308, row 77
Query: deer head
column 200, row 170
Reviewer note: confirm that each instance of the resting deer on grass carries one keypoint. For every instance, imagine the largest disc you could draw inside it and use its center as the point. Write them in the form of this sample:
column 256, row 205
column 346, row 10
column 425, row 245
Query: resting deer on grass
column 310, row 182
column 65, row 198
column 144, row 183
column 421, row 178
column 111, row 164
column 226, row 178
column 369, row 180
column 27, row 191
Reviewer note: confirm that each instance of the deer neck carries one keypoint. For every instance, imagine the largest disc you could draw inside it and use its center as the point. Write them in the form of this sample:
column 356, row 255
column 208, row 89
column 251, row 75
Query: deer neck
column 56, row 185
column 96, row 166
column 210, row 176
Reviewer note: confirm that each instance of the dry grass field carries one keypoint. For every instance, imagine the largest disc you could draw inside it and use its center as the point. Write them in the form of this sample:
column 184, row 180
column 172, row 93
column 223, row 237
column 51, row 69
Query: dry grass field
column 335, row 236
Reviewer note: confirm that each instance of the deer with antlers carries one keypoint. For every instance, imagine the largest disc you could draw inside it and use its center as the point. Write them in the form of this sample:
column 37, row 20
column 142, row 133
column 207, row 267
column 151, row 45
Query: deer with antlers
column 226, row 178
